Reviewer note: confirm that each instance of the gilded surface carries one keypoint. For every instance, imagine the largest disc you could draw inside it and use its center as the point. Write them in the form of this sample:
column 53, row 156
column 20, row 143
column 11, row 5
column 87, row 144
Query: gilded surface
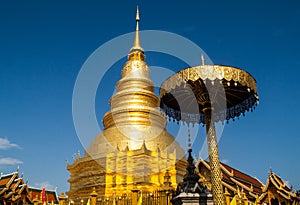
column 207, row 94
column 216, row 174
column 134, row 151
column 211, row 72
column 230, row 91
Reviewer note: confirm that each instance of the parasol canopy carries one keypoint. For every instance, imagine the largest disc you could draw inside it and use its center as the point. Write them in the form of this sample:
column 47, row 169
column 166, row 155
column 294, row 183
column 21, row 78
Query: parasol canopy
column 228, row 91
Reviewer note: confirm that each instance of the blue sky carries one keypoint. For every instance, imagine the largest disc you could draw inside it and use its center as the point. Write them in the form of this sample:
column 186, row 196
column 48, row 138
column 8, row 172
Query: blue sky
column 43, row 45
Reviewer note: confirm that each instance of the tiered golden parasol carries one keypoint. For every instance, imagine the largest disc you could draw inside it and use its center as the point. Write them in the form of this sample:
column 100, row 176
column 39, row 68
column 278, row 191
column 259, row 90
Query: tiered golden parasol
column 207, row 94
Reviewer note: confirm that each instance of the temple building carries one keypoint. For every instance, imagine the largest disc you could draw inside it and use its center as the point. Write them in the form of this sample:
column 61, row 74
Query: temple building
column 276, row 192
column 14, row 191
column 41, row 196
column 134, row 160
column 134, row 151
column 240, row 188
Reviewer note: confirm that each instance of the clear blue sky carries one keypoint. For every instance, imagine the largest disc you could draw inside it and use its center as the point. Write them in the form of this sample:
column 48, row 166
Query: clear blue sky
column 43, row 45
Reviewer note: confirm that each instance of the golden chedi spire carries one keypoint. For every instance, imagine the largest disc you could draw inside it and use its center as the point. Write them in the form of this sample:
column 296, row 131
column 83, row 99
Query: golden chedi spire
column 127, row 150
column 137, row 44
column 134, row 116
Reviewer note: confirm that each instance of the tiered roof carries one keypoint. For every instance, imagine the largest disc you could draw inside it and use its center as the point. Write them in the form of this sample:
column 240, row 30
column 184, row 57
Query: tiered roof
column 13, row 188
column 281, row 187
column 237, row 181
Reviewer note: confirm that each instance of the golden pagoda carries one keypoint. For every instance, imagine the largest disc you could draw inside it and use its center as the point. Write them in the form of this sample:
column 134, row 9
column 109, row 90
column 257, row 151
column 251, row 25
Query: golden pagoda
column 134, row 152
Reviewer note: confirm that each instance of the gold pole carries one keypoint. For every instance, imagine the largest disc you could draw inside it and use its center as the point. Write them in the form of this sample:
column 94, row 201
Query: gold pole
column 216, row 174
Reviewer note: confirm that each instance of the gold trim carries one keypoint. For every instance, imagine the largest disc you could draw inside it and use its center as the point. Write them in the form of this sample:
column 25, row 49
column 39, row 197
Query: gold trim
column 210, row 72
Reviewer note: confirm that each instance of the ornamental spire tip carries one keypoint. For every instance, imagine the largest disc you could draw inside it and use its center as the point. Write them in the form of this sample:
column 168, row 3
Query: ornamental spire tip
column 137, row 18
column 202, row 59
column 136, row 44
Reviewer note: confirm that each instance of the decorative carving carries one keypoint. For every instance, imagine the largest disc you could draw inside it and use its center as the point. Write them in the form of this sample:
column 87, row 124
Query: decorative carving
column 235, row 84
column 207, row 94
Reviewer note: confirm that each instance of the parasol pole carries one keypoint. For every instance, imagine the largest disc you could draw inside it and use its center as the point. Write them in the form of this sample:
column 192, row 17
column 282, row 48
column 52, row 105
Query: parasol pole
column 215, row 173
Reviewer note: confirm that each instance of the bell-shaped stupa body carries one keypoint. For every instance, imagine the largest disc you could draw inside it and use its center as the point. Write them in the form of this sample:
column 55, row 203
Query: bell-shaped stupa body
column 134, row 151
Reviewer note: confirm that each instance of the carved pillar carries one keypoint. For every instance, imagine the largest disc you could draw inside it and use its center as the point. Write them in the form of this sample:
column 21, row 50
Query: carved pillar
column 216, row 174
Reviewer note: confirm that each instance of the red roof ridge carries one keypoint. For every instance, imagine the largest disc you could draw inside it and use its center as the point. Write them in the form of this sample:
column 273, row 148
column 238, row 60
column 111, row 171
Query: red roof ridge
column 258, row 180
column 247, row 182
column 242, row 176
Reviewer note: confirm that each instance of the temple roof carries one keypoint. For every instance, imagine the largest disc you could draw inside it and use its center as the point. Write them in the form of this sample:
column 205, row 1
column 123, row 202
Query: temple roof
column 12, row 187
column 235, row 178
column 241, row 178
column 237, row 181
column 280, row 185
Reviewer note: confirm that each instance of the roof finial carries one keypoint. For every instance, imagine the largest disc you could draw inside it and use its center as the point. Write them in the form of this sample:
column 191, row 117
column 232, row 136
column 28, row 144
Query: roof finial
column 137, row 18
column 136, row 44
column 202, row 59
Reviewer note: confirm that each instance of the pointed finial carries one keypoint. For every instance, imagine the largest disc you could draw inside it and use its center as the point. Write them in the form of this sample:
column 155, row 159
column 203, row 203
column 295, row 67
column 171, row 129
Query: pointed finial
column 144, row 146
column 226, row 192
column 137, row 18
column 94, row 193
column 126, row 148
column 136, row 44
column 202, row 59
column 238, row 191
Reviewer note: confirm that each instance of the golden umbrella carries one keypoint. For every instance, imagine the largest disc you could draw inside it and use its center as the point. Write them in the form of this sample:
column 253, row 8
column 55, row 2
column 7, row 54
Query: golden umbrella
column 207, row 94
